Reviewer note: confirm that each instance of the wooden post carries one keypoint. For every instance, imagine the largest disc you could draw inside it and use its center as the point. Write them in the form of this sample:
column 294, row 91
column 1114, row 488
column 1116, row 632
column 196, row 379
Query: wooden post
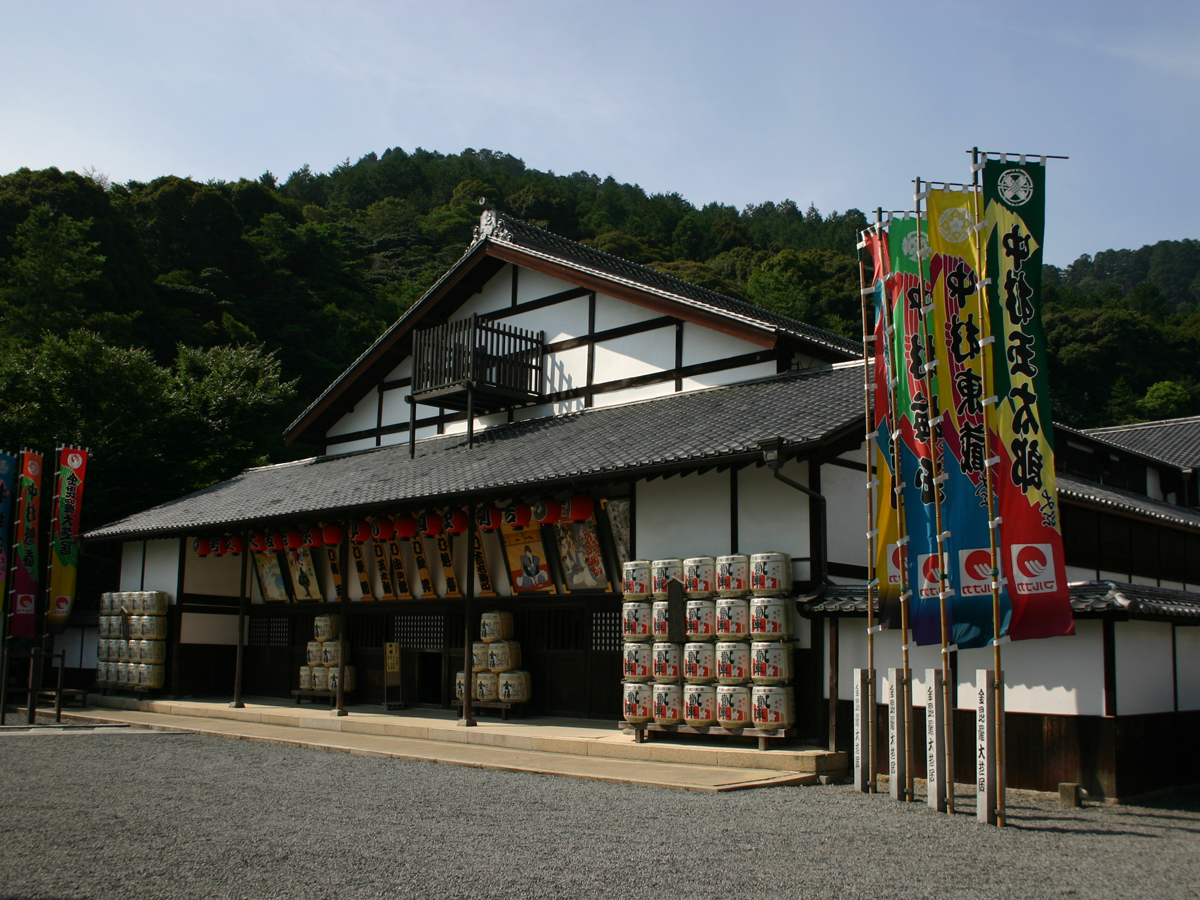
column 864, row 711
column 897, row 734
column 467, row 719
column 412, row 423
column 241, row 640
column 985, row 747
column 935, row 752
column 833, row 681
column 343, row 643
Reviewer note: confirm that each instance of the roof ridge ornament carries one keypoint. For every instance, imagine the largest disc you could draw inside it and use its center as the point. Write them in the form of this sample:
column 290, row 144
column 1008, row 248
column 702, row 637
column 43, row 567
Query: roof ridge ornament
column 491, row 224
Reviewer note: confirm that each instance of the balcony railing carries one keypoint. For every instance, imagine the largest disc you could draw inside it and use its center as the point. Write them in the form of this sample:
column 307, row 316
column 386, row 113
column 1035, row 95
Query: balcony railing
column 473, row 362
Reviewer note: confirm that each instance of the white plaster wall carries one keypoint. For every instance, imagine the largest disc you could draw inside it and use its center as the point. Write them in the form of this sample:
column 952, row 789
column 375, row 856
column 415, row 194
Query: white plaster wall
column 404, row 370
column 1106, row 575
column 209, row 628
column 69, row 642
column 362, row 444
column 1076, row 573
column 1187, row 666
column 534, row 285
column 363, row 416
column 560, row 321
column 162, row 567
column 614, row 313
column 564, row 370
column 630, row 395
column 1144, row 673
column 636, row 354
column 496, row 294
column 845, row 493
column 702, row 344
column 481, row 423
column 395, row 407
column 1153, row 484
column 729, row 376
column 683, row 517
column 771, row 515
column 131, row 565
column 220, row 576
column 852, row 654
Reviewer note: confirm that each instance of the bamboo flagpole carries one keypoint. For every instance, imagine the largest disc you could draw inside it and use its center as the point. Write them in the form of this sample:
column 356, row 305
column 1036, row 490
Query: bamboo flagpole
column 936, row 478
column 872, row 531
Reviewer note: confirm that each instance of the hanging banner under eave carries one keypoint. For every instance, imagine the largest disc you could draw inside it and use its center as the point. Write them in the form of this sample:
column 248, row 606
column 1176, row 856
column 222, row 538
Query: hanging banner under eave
column 1026, row 490
column 8, row 477
column 887, row 553
column 25, row 547
column 914, row 409
column 960, row 332
column 64, row 534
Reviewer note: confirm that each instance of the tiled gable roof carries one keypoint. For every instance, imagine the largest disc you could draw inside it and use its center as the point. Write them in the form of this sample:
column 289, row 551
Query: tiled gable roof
column 1176, row 441
column 1101, row 495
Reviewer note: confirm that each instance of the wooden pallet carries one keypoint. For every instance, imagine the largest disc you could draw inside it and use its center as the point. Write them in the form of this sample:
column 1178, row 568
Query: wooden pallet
column 313, row 695
column 504, row 708
column 641, row 732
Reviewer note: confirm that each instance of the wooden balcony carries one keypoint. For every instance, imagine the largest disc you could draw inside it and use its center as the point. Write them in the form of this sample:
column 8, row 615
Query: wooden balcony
column 477, row 366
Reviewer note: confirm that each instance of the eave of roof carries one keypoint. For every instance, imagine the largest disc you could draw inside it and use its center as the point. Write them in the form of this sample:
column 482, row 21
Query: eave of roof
column 1090, row 437
column 1103, row 496
column 1175, row 440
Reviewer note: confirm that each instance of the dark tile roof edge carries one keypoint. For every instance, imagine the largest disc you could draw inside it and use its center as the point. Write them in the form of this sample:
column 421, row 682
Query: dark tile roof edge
column 1089, row 492
column 1133, row 426
column 1089, row 435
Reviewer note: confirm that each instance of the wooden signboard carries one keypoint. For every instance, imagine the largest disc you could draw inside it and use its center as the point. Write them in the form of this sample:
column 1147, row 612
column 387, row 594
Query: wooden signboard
column 270, row 576
column 304, row 574
column 418, row 547
column 385, row 573
column 582, row 560
column 482, row 572
column 360, row 565
column 333, row 553
column 391, row 677
column 443, row 544
column 528, row 570
column 399, row 575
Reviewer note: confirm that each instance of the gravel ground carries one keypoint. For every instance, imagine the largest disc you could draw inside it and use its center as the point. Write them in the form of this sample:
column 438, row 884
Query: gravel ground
column 188, row 816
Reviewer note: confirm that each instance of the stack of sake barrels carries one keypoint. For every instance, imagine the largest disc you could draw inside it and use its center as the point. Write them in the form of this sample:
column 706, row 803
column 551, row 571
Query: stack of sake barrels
column 736, row 666
column 496, row 673
column 326, row 656
column 133, row 640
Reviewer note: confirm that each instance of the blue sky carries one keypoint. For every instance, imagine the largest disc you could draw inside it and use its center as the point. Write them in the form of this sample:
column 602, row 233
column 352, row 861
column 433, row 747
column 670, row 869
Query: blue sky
column 839, row 104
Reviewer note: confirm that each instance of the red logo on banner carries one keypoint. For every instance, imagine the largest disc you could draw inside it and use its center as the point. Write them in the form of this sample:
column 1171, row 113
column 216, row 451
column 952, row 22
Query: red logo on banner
column 975, row 572
column 893, row 569
column 62, row 606
column 24, row 605
column 1033, row 568
column 931, row 581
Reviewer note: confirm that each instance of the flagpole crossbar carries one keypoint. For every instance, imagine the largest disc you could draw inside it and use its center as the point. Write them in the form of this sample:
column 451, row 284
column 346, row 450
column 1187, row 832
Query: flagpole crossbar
column 1003, row 157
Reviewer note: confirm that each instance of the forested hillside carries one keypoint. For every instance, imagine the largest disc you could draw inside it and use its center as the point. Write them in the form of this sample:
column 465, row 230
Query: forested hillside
column 176, row 327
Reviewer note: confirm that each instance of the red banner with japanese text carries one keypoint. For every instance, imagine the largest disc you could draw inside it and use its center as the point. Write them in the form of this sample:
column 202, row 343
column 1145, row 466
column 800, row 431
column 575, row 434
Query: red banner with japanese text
column 25, row 581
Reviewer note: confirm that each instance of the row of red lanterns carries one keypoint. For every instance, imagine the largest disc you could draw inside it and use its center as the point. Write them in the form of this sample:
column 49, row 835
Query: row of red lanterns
column 383, row 528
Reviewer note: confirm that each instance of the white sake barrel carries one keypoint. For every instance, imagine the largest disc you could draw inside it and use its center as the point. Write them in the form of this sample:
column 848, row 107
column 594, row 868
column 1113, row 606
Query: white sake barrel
column 699, row 663
column 327, row 628
column 320, row 678
column 102, row 672
column 668, row 704
column 150, row 676
column 106, row 626
column 122, row 649
column 700, row 576
column 133, row 603
column 700, row 705
column 122, row 673
column 636, row 616
column 635, row 579
column 637, row 662
column 154, row 603
column 351, row 680
column 701, row 622
column 333, row 653
column 504, row 656
column 637, row 702
column 496, row 625
column 660, row 627
column 733, row 619
column 733, row 706
column 770, row 574
column 733, row 575
column 106, row 603
column 770, row 619
column 151, row 628
column 668, row 663
column 312, row 654
column 774, row 707
column 152, row 652
column 733, row 662
column 102, row 649
column 487, row 686
column 306, row 678
column 770, row 662
column 459, row 685
column 662, row 572
column 515, row 686
column 479, row 656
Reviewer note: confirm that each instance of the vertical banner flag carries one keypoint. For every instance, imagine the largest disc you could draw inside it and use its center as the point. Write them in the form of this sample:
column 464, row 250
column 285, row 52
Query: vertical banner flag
column 914, row 410
column 1026, row 490
column 8, row 477
column 887, row 551
column 960, row 333
column 64, row 534
column 25, row 548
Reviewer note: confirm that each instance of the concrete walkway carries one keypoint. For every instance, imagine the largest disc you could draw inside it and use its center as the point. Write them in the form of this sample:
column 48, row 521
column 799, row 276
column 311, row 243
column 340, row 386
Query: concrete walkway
column 576, row 748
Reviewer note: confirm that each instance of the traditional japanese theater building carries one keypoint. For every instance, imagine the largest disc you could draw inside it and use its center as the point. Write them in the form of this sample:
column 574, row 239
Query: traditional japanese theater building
column 639, row 416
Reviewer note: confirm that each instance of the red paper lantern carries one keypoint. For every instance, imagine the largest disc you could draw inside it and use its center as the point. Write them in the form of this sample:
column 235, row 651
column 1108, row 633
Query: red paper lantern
column 333, row 534
column 313, row 537
column 429, row 524
column 295, row 539
column 406, row 526
column 488, row 518
column 218, row 546
column 361, row 532
column 258, row 542
column 547, row 512
column 201, row 546
column 517, row 515
column 275, row 540
column 579, row 509
column 233, row 544
column 454, row 521
column 382, row 529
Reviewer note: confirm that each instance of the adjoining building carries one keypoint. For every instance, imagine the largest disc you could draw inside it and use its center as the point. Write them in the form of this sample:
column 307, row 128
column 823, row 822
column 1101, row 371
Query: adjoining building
column 538, row 372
